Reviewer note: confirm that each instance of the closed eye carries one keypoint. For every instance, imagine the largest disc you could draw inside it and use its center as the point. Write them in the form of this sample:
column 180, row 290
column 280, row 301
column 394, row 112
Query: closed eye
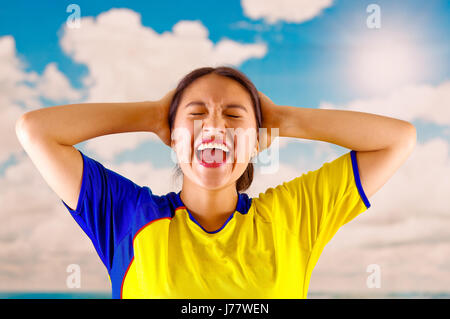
column 229, row 115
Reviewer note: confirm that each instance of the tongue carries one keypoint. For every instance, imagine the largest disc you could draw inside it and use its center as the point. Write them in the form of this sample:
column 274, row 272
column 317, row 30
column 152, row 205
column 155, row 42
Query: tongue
column 213, row 155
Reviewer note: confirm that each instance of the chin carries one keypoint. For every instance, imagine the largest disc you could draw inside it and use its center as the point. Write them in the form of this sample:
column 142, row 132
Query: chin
column 213, row 185
column 213, row 179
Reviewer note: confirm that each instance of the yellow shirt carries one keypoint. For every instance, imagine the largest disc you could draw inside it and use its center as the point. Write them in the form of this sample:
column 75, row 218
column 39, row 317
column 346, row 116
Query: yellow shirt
column 268, row 247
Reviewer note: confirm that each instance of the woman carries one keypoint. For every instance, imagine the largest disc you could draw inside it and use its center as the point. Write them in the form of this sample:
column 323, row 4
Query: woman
column 210, row 240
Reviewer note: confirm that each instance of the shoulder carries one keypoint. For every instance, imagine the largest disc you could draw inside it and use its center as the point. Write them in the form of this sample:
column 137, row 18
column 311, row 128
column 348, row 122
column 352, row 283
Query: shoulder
column 154, row 206
column 289, row 194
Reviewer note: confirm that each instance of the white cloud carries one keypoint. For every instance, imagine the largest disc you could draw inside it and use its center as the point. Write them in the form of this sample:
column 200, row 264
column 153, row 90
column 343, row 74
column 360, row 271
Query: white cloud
column 108, row 146
column 20, row 91
column 13, row 93
column 259, row 27
column 159, row 180
column 420, row 183
column 284, row 141
column 128, row 61
column 55, row 86
column 296, row 11
column 9, row 143
column 14, row 79
column 234, row 53
column 426, row 102
column 412, row 268
column 405, row 231
column 39, row 238
column 131, row 62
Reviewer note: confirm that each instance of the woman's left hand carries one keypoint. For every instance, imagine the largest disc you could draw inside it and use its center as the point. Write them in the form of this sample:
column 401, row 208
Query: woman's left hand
column 268, row 109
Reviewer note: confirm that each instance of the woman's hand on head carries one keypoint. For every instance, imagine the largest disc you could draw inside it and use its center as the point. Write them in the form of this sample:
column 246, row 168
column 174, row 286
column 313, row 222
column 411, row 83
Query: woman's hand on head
column 268, row 109
column 163, row 131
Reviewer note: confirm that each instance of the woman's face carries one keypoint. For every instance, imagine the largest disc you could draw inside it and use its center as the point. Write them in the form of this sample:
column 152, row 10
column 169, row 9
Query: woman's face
column 214, row 109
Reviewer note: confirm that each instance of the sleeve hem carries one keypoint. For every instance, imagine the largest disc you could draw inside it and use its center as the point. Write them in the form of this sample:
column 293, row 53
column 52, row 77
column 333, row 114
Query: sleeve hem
column 358, row 180
column 82, row 190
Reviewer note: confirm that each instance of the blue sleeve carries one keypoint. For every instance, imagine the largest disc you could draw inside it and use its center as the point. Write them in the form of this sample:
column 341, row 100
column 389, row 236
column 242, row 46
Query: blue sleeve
column 105, row 207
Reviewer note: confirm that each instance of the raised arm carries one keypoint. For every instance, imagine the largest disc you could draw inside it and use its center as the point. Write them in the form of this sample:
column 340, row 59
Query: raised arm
column 382, row 144
column 48, row 135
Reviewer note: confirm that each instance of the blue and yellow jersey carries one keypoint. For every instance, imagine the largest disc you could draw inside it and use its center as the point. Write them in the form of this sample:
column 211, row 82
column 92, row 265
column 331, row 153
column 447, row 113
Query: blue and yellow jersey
column 153, row 247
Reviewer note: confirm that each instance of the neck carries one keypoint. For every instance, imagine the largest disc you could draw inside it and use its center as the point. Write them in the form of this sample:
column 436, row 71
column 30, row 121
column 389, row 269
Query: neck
column 210, row 208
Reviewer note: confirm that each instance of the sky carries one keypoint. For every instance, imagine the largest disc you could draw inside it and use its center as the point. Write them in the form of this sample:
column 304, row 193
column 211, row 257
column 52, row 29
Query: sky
column 393, row 60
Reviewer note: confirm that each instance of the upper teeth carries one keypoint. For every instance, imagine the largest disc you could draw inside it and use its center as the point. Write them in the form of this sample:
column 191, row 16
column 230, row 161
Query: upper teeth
column 203, row 146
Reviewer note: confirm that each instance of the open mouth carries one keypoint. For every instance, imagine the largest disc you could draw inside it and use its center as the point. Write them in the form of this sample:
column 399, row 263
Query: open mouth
column 212, row 154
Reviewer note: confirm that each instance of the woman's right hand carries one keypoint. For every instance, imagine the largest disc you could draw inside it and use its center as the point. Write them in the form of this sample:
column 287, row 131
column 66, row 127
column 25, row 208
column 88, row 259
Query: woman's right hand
column 163, row 131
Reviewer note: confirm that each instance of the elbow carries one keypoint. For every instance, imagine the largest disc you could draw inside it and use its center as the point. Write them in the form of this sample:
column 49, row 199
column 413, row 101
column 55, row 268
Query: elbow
column 407, row 138
column 20, row 126
column 25, row 128
column 411, row 136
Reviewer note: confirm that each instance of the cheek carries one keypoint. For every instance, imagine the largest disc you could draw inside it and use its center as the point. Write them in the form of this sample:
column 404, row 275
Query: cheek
column 182, row 141
column 245, row 142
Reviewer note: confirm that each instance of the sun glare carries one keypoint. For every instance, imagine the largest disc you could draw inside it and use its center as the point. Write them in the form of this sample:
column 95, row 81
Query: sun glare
column 385, row 64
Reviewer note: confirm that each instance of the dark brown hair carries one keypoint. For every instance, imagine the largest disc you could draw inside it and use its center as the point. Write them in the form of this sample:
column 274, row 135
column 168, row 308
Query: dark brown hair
column 246, row 178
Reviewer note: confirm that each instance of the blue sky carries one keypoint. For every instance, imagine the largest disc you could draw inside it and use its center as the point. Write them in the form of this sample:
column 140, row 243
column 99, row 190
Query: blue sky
column 306, row 63
column 326, row 60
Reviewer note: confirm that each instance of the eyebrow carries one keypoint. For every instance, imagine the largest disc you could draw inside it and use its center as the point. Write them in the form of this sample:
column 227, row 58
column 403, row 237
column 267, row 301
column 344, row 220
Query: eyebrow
column 228, row 106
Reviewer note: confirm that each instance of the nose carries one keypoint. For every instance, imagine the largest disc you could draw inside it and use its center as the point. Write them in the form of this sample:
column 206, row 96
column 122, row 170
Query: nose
column 213, row 125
